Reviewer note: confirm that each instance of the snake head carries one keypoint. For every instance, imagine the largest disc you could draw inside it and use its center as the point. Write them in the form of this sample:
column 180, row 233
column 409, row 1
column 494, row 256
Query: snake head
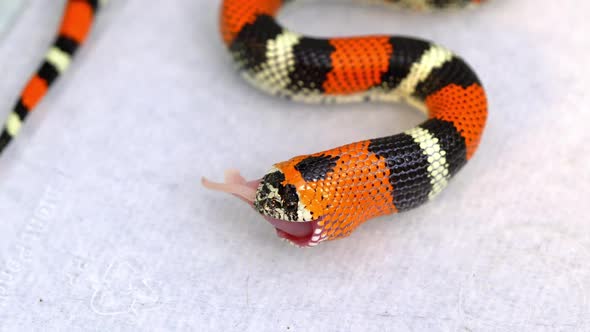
column 277, row 202
column 278, row 199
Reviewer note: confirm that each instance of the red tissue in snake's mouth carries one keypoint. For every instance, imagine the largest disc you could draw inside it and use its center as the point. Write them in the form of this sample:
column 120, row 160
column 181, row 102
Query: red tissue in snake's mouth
column 299, row 233
column 294, row 229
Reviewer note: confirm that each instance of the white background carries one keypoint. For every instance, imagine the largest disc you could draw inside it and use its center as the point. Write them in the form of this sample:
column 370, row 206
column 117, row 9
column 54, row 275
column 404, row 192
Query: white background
column 104, row 225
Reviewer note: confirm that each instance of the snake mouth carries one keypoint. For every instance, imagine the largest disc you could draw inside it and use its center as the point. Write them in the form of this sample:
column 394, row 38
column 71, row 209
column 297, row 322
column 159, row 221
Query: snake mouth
column 301, row 234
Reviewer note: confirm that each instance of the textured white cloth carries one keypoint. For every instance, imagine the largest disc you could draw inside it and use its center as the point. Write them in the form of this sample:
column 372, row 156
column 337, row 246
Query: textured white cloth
column 8, row 10
column 105, row 227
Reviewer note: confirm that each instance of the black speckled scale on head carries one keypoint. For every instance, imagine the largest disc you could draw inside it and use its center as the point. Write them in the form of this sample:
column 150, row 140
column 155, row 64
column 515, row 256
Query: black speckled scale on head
column 275, row 199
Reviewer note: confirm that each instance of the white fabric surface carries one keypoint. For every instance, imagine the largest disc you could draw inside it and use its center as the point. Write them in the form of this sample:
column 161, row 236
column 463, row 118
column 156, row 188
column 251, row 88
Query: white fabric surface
column 8, row 10
column 104, row 225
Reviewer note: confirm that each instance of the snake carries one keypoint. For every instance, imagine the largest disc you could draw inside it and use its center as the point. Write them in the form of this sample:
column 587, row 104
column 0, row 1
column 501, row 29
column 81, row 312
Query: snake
column 326, row 195
column 72, row 32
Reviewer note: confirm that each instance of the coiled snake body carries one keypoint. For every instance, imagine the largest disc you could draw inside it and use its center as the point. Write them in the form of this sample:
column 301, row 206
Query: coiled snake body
column 326, row 195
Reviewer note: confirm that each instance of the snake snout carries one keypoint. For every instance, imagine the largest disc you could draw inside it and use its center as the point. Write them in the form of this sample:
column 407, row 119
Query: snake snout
column 275, row 199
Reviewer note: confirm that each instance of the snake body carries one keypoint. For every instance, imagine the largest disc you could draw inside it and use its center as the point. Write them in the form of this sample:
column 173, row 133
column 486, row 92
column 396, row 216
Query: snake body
column 72, row 32
column 335, row 191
